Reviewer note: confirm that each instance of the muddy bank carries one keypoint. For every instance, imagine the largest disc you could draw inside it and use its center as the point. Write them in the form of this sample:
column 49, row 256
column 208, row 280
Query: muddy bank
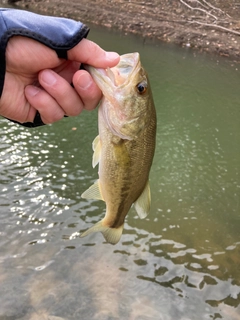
column 212, row 26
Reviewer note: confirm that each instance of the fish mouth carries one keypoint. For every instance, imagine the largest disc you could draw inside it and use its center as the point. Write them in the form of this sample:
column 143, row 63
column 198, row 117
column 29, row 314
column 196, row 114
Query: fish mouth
column 108, row 80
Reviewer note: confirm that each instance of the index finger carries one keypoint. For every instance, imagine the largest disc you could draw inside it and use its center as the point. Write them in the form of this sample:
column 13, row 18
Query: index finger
column 89, row 52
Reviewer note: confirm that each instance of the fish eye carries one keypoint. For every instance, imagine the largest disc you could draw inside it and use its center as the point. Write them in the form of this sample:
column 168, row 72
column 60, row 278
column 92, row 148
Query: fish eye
column 142, row 87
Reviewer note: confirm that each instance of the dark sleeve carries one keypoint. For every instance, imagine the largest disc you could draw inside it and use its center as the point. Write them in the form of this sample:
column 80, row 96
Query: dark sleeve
column 59, row 34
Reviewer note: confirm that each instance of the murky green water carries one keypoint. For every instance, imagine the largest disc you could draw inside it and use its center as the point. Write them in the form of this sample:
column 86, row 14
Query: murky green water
column 182, row 262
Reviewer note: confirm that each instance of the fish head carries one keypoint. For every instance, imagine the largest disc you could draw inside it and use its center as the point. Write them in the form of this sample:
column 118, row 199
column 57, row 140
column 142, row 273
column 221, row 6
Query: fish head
column 127, row 99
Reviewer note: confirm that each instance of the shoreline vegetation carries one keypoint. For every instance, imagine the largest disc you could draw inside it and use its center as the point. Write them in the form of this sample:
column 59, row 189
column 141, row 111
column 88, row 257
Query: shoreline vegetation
column 211, row 26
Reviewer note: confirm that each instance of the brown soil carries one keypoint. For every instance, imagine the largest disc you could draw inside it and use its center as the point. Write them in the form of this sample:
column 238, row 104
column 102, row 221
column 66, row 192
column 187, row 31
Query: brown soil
column 212, row 25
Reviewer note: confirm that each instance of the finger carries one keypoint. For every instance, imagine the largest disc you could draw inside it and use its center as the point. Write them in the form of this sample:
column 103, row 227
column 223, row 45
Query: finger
column 67, row 69
column 47, row 106
column 63, row 93
column 90, row 53
column 31, row 114
column 87, row 89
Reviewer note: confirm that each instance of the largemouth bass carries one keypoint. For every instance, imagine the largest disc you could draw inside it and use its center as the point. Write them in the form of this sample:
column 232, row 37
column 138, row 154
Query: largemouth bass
column 124, row 148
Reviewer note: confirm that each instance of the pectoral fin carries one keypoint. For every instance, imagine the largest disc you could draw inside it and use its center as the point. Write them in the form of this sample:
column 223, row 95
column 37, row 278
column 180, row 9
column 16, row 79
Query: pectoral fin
column 96, row 145
column 93, row 192
column 111, row 235
column 143, row 203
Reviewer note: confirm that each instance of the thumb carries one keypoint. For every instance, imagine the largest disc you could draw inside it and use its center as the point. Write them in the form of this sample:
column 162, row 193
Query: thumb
column 90, row 53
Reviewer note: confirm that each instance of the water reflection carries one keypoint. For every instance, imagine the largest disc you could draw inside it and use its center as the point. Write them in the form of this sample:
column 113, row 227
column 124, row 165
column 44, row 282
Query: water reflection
column 182, row 262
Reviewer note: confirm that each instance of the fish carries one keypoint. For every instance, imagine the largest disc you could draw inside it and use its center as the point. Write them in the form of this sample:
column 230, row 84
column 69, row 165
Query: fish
column 125, row 146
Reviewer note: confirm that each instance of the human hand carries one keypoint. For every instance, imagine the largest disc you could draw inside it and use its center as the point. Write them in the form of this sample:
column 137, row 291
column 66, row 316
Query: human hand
column 37, row 80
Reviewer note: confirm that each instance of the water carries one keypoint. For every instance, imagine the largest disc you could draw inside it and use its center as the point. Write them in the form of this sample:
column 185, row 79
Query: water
column 182, row 262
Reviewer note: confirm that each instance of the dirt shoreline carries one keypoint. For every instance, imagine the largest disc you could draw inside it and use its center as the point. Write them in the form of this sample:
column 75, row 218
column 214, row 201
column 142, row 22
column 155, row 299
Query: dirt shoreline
column 212, row 26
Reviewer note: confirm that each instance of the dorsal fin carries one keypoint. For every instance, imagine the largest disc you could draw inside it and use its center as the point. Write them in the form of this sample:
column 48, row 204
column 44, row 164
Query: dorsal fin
column 143, row 203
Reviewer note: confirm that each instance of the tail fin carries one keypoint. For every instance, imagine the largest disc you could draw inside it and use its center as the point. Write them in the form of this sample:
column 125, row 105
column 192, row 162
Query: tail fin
column 111, row 235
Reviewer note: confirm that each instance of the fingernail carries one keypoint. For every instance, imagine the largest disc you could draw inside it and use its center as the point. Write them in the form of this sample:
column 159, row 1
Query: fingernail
column 84, row 81
column 32, row 90
column 48, row 77
column 111, row 56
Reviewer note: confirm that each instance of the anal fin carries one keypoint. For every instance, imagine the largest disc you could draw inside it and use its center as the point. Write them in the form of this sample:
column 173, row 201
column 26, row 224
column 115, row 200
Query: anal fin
column 93, row 192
